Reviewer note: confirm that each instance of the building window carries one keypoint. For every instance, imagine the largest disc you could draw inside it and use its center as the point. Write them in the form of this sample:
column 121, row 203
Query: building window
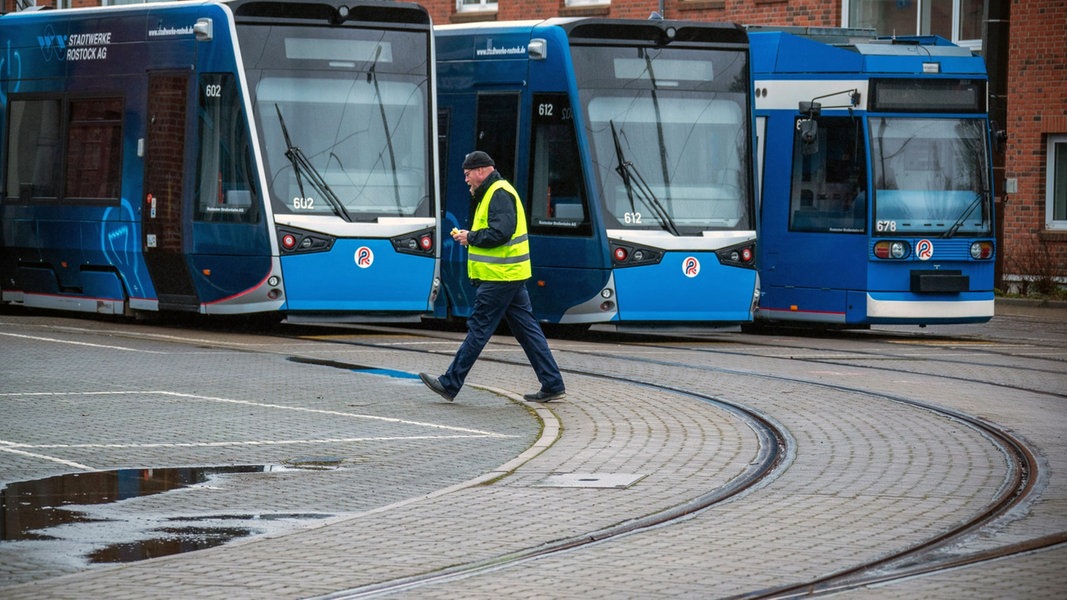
column 576, row 3
column 957, row 20
column 1056, row 183
column 475, row 5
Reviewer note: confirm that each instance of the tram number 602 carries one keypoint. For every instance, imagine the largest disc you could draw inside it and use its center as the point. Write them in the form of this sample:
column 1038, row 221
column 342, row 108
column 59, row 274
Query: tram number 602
column 303, row 203
column 213, row 90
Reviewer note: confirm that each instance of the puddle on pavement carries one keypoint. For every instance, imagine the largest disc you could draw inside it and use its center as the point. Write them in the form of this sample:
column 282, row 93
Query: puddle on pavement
column 46, row 510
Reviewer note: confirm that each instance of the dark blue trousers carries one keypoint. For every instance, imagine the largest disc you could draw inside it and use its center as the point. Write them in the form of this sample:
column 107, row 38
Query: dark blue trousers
column 493, row 301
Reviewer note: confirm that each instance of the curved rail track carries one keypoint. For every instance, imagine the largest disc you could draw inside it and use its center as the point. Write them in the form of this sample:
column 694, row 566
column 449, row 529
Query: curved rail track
column 641, row 357
column 918, row 558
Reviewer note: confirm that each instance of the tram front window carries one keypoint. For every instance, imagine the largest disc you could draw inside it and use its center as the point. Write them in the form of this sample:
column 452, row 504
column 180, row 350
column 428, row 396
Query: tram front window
column 930, row 176
column 667, row 131
column 343, row 123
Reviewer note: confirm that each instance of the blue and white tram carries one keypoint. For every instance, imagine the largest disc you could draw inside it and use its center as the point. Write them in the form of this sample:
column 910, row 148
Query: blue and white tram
column 220, row 157
column 876, row 178
column 630, row 143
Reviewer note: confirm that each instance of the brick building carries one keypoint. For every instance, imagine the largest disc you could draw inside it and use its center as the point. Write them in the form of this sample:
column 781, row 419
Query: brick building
column 1023, row 42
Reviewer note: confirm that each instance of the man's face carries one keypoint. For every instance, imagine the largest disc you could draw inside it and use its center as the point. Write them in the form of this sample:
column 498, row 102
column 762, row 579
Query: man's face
column 475, row 177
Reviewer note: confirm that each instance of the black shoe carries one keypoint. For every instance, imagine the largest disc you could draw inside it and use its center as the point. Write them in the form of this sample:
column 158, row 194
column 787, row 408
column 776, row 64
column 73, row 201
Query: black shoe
column 543, row 396
column 435, row 385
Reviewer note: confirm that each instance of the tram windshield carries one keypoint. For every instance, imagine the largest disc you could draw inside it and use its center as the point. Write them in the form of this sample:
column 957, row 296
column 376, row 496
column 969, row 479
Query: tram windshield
column 930, row 176
column 668, row 135
column 342, row 119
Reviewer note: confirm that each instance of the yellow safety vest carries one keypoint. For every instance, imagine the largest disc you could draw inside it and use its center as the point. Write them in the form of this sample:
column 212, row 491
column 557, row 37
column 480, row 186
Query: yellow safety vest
column 509, row 261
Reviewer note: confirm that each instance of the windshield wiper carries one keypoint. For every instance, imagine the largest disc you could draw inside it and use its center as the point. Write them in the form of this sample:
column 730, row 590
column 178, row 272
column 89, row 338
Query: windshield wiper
column 301, row 165
column 659, row 128
column 978, row 197
column 630, row 175
column 372, row 75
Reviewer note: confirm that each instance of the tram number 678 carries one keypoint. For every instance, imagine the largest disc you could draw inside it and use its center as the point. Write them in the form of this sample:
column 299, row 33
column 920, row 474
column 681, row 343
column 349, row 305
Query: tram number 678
column 886, row 226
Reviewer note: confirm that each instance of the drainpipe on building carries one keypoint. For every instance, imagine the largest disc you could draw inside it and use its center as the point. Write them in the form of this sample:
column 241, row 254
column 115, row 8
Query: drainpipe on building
column 995, row 35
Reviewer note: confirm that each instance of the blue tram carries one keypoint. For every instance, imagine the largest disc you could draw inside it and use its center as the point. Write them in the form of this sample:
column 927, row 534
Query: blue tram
column 876, row 200
column 220, row 158
column 630, row 144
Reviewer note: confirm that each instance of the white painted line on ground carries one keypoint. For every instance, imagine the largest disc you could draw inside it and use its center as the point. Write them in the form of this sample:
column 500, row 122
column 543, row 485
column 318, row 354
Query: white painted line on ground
column 465, row 430
column 73, row 343
column 6, row 446
column 238, row 443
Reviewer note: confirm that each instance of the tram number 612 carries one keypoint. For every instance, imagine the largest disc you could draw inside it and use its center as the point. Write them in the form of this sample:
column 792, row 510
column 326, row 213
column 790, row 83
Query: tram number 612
column 548, row 110
column 632, row 217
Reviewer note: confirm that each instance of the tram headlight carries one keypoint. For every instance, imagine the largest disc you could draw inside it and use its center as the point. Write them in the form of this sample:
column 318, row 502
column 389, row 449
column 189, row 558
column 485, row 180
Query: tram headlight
column 738, row 255
column 420, row 243
column 982, row 250
column 898, row 250
column 626, row 254
column 893, row 249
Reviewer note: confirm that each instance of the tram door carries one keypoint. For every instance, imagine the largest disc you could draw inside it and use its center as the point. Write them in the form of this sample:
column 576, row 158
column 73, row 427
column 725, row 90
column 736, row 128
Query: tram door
column 163, row 212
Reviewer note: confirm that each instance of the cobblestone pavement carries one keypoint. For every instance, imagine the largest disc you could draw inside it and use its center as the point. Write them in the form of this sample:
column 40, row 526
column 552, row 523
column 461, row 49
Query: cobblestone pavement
column 372, row 485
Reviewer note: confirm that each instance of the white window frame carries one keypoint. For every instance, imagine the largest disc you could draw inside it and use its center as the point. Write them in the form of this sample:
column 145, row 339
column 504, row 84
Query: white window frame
column 476, row 6
column 1050, row 181
column 577, row 3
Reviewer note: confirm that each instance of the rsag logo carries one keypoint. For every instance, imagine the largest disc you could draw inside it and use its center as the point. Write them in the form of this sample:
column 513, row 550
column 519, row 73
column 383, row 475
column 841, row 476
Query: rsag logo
column 924, row 249
column 691, row 266
column 364, row 257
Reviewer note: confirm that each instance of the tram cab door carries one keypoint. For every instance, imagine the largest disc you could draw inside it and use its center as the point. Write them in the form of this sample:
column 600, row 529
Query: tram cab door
column 163, row 213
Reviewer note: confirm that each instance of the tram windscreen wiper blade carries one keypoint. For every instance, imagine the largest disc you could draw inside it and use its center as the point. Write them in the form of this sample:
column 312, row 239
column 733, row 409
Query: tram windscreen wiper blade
column 372, row 75
column 301, row 165
column 630, row 175
column 621, row 168
column 979, row 196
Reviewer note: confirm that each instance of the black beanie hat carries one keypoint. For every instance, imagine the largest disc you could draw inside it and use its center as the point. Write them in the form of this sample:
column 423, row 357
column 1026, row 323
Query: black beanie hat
column 477, row 159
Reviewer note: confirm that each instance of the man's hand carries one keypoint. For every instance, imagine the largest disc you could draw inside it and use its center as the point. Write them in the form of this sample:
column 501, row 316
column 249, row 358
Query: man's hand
column 460, row 235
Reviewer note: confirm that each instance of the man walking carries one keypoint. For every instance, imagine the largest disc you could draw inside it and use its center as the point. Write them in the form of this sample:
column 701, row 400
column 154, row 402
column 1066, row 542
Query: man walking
column 498, row 262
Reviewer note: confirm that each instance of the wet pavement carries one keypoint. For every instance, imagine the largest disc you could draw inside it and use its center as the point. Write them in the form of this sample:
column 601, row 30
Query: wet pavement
column 343, row 476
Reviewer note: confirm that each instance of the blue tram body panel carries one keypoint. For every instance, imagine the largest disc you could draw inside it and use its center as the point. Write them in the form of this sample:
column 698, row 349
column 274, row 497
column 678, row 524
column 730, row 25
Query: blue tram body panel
column 694, row 285
column 161, row 180
column 364, row 275
column 876, row 188
column 629, row 142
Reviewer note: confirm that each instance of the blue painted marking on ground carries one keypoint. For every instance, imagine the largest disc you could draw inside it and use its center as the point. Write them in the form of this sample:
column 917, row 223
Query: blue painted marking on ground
column 387, row 373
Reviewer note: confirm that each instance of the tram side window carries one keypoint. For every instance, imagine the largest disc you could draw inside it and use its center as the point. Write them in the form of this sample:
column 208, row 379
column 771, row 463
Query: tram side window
column 557, row 202
column 829, row 179
column 33, row 150
column 64, row 149
column 94, row 147
column 225, row 188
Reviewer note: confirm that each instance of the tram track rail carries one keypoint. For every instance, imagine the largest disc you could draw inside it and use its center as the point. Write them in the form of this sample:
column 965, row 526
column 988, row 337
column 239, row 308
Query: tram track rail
column 931, row 555
column 917, row 559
